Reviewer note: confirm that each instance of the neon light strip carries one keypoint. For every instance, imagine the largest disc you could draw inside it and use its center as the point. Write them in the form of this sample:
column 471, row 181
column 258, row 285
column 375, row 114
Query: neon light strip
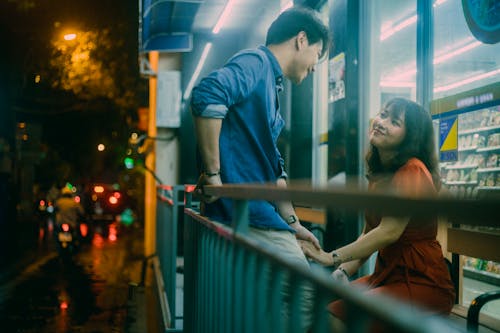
column 391, row 31
column 402, row 84
column 386, row 33
column 223, row 17
column 452, row 54
column 404, row 76
column 467, row 81
column 397, row 84
column 197, row 71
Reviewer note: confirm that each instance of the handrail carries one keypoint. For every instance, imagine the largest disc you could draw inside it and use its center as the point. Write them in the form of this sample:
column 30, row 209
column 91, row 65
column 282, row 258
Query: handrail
column 401, row 317
column 168, row 212
column 476, row 212
column 481, row 212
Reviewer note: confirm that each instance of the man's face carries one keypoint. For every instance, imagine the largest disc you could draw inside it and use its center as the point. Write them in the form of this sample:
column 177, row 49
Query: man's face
column 305, row 59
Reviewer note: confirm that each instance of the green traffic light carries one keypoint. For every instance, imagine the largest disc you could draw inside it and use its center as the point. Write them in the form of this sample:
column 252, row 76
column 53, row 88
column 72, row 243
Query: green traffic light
column 127, row 217
column 129, row 162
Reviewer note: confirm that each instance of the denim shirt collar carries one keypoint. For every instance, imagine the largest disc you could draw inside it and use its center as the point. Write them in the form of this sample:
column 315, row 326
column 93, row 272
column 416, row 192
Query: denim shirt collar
column 278, row 73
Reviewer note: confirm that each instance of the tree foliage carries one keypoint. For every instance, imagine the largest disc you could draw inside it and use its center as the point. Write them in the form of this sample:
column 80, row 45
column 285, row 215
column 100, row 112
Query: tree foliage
column 92, row 67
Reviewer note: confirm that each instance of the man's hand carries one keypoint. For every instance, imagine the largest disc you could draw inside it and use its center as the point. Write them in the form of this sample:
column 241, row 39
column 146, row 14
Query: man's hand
column 286, row 210
column 206, row 180
column 303, row 234
column 340, row 276
column 316, row 254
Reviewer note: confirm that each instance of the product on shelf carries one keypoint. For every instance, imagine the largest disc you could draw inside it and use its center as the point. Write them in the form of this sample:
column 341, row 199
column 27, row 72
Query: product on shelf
column 478, row 164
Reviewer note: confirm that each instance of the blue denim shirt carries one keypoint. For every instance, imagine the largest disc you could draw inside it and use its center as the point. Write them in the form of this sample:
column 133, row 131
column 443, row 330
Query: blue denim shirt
column 244, row 92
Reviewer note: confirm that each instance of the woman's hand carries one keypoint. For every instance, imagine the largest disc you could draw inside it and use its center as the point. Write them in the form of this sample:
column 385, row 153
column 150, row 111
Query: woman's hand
column 318, row 255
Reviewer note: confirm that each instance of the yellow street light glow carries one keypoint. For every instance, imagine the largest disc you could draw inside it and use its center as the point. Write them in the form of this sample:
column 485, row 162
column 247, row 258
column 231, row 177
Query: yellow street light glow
column 69, row 36
column 101, row 147
column 98, row 189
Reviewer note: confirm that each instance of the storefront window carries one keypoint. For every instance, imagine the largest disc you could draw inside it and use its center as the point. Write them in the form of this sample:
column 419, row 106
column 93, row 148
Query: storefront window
column 397, row 49
column 466, row 91
column 461, row 62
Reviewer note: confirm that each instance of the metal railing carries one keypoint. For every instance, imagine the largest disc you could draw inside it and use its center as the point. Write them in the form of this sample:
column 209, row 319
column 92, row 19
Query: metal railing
column 226, row 291
column 169, row 217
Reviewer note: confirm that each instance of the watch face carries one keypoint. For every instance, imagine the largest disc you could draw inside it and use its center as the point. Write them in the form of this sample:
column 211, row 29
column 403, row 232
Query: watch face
column 483, row 19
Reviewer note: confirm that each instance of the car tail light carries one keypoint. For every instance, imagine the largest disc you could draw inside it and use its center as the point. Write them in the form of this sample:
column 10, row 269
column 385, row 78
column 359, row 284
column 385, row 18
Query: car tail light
column 84, row 229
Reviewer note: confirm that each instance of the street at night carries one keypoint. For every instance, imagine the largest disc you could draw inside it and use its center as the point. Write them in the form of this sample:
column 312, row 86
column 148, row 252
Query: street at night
column 88, row 292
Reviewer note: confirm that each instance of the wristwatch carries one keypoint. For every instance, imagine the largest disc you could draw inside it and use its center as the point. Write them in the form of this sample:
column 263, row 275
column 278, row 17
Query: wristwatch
column 291, row 219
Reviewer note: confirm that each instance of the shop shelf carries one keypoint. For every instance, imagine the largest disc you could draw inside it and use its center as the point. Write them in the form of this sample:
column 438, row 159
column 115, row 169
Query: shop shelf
column 483, row 276
column 480, row 129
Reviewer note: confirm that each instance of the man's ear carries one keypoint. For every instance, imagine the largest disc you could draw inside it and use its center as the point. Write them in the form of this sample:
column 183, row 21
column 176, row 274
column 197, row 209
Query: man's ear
column 301, row 40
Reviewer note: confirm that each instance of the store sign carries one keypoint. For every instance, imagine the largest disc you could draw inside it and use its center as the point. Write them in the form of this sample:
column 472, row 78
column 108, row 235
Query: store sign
column 474, row 100
column 466, row 101
column 448, row 139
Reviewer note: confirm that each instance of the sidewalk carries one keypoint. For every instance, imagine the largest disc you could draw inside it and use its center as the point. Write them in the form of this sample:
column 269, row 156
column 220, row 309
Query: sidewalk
column 144, row 309
column 141, row 305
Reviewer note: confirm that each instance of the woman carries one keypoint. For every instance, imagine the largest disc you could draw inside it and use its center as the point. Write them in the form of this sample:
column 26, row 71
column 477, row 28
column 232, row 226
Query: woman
column 410, row 264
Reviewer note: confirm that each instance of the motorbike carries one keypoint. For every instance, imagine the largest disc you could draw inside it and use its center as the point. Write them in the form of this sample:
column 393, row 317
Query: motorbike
column 67, row 239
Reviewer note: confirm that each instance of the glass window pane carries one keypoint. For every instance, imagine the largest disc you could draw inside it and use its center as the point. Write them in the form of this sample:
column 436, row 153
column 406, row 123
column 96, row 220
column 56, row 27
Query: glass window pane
column 461, row 62
column 397, row 49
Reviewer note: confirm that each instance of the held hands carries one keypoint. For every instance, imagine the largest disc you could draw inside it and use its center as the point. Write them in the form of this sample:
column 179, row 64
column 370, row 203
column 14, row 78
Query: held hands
column 304, row 235
column 316, row 253
column 340, row 276
column 207, row 180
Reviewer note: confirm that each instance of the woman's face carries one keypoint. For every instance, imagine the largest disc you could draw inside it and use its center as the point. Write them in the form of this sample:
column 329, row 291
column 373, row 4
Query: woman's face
column 388, row 131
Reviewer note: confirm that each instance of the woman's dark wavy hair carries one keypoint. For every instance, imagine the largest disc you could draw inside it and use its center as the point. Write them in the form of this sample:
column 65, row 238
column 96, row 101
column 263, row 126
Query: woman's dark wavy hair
column 297, row 19
column 418, row 142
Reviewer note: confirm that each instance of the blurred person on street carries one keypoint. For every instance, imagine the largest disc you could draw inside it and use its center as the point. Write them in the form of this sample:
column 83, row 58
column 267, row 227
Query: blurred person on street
column 237, row 118
column 67, row 209
column 410, row 265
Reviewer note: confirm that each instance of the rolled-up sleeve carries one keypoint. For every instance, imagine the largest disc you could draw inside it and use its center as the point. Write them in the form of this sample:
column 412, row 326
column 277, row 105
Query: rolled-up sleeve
column 224, row 87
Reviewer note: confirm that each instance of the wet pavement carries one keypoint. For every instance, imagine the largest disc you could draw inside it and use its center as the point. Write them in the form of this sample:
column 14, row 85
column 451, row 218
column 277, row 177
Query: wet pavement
column 88, row 292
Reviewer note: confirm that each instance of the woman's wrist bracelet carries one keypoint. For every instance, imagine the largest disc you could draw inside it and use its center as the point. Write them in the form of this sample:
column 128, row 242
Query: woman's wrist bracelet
column 336, row 260
column 344, row 271
column 211, row 174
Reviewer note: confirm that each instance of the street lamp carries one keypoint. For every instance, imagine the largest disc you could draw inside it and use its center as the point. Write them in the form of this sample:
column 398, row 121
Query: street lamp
column 69, row 36
column 101, row 147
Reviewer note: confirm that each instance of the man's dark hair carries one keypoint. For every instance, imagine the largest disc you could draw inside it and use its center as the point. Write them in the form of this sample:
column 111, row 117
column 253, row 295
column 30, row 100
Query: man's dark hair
column 297, row 19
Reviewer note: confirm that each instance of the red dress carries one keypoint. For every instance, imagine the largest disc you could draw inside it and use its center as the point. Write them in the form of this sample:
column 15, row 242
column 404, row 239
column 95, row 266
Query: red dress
column 413, row 268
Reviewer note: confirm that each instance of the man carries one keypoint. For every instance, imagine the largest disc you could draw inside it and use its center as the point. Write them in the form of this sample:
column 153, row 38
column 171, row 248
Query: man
column 237, row 119
column 67, row 209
